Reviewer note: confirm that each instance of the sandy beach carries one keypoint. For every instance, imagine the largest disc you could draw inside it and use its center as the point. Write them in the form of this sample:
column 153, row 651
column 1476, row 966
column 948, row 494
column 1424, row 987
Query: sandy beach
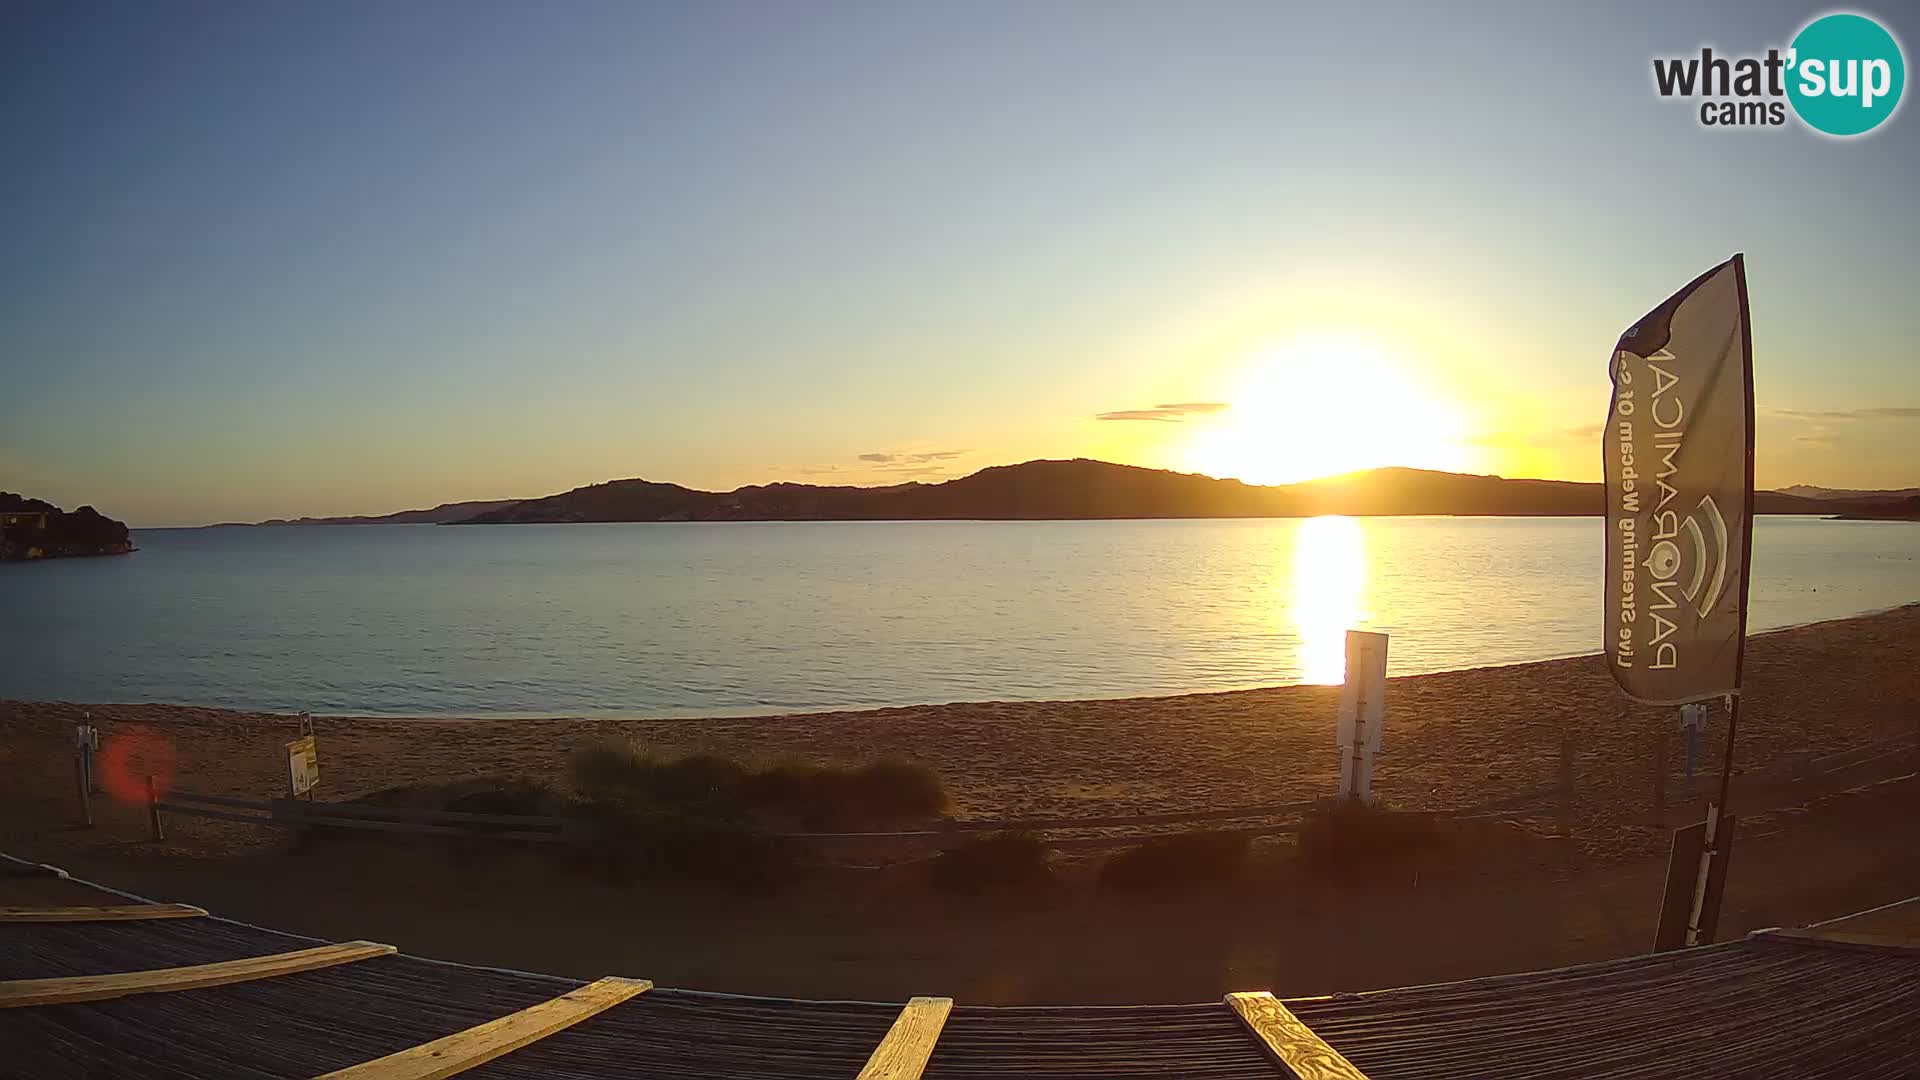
column 1452, row 739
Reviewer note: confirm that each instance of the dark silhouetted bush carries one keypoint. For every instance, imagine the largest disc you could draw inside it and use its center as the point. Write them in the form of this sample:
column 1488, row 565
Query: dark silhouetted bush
column 894, row 787
column 819, row 795
column 1351, row 839
column 996, row 861
column 1187, row 859
column 653, row 844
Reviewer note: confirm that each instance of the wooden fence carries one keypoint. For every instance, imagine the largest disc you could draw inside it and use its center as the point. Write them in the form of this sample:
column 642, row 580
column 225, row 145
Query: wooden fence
column 1786, row 781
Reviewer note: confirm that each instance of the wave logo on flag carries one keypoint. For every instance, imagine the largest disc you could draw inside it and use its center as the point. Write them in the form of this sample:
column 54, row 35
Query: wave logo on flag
column 1844, row 74
column 1709, row 549
column 1678, row 451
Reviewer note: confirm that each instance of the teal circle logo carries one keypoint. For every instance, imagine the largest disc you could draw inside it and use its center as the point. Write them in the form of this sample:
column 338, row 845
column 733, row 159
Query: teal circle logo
column 1845, row 74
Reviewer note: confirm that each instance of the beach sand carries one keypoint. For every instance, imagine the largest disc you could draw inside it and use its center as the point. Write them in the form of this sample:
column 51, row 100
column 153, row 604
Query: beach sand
column 1451, row 739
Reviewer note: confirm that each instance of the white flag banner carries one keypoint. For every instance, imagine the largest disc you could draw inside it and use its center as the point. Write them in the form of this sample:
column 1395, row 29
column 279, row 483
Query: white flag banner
column 1679, row 481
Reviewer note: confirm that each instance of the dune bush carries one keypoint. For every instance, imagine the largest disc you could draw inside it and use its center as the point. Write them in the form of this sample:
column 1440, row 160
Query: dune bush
column 1351, row 839
column 628, row 843
column 1187, row 859
column 999, row 860
column 886, row 789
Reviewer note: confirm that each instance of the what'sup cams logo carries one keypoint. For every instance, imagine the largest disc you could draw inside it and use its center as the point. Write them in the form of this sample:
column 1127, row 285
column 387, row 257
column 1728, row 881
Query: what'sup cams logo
column 1842, row 76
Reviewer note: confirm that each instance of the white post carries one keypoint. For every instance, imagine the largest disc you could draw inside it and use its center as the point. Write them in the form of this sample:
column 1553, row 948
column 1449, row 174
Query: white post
column 1363, row 699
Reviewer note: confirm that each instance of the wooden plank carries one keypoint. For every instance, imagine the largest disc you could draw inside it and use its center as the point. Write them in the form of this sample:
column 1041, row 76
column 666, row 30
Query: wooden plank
column 482, row 1043
column 201, row 811
column 903, row 1054
column 370, row 812
column 117, row 913
column 1291, row 1042
column 19, row 868
column 261, row 805
column 412, row 828
column 24, row 992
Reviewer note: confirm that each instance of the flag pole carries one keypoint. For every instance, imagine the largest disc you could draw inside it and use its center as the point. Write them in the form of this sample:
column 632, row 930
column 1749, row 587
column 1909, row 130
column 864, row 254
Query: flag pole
column 1715, row 838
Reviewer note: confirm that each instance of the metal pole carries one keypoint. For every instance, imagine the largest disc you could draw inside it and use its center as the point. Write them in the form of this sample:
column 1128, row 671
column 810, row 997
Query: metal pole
column 1719, row 809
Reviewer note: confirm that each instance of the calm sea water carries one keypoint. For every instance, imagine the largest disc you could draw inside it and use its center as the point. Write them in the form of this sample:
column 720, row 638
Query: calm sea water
column 664, row 619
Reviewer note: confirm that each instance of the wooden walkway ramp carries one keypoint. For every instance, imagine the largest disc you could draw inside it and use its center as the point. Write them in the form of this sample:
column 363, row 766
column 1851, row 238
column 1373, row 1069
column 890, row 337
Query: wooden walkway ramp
column 1803, row 1004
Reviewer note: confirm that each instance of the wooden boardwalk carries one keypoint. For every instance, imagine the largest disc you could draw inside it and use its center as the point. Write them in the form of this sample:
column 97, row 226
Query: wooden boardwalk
column 205, row 998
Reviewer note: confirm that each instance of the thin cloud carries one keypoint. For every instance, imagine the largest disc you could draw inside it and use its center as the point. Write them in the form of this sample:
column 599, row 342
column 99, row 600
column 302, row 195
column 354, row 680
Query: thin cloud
column 1169, row 414
column 1890, row 413
column 926, row 457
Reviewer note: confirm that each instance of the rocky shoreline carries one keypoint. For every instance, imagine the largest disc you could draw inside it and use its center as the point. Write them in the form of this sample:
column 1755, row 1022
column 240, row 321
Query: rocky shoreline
column 31, row 529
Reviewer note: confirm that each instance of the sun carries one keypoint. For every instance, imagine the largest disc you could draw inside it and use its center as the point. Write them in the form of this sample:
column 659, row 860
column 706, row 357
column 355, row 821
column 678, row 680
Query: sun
column 1325, row 403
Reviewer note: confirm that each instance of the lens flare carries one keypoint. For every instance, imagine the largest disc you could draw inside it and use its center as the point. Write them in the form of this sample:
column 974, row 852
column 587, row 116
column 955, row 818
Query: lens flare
column 128, row 757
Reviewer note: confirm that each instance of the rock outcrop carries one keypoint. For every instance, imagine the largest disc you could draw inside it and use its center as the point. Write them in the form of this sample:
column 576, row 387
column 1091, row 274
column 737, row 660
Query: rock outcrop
column 32, row 529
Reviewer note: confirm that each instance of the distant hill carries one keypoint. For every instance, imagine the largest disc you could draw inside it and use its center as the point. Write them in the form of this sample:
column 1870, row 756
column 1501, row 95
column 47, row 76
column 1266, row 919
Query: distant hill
column 439, row 515
column 32, row 529
column 1082, row 489
column 1808, row 491
column 1907, row 509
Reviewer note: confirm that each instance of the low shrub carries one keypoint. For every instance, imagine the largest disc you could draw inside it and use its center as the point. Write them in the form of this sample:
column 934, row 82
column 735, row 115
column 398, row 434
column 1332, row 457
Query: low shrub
column 1187, row 859
column 886, row 789
column 627, row 772
column 1355, row 840
column 895, row 787
column 995, row 861
column 639, row 844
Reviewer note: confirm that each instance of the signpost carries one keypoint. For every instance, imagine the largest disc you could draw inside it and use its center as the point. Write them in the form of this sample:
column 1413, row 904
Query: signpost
column 1693, row 721
column 303, row 766
column 1363, row 704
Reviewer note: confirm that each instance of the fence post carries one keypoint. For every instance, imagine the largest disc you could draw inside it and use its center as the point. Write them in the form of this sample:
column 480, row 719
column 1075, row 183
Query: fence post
column 1660, row 778
column 153, row 809
column 86, row 796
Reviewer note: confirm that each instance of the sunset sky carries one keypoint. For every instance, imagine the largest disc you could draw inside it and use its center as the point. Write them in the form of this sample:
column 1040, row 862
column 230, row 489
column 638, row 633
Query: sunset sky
column 273, row 260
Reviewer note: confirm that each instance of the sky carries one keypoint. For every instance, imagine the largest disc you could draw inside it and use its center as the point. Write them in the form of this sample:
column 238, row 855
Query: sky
column 271, row 260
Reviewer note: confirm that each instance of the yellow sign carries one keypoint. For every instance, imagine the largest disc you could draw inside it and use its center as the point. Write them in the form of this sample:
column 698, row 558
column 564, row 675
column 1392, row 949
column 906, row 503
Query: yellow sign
column 303, row 764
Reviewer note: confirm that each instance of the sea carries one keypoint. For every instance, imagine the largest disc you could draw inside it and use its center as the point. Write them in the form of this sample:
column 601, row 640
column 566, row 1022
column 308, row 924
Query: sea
column 704, row 619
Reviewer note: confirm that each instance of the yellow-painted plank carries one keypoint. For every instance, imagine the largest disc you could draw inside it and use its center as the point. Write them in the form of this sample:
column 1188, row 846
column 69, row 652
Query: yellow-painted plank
column 119, row 913
column 1290, row 1041
column 903, row 1054
column 482, row 1043
column 23, row 992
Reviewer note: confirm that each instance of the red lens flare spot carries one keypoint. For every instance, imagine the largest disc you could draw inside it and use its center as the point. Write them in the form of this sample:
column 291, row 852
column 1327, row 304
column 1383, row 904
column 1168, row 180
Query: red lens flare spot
column 128, row 757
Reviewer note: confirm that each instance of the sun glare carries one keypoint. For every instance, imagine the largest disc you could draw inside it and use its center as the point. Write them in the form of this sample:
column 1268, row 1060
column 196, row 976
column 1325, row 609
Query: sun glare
column 1329, row 594
column 1329, row 403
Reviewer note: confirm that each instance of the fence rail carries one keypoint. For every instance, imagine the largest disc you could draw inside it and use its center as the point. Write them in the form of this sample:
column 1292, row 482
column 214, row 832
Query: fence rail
column 1284, row 817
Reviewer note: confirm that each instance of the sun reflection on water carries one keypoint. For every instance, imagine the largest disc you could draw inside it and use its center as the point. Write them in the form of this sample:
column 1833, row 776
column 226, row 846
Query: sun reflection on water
column 1329, row 594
